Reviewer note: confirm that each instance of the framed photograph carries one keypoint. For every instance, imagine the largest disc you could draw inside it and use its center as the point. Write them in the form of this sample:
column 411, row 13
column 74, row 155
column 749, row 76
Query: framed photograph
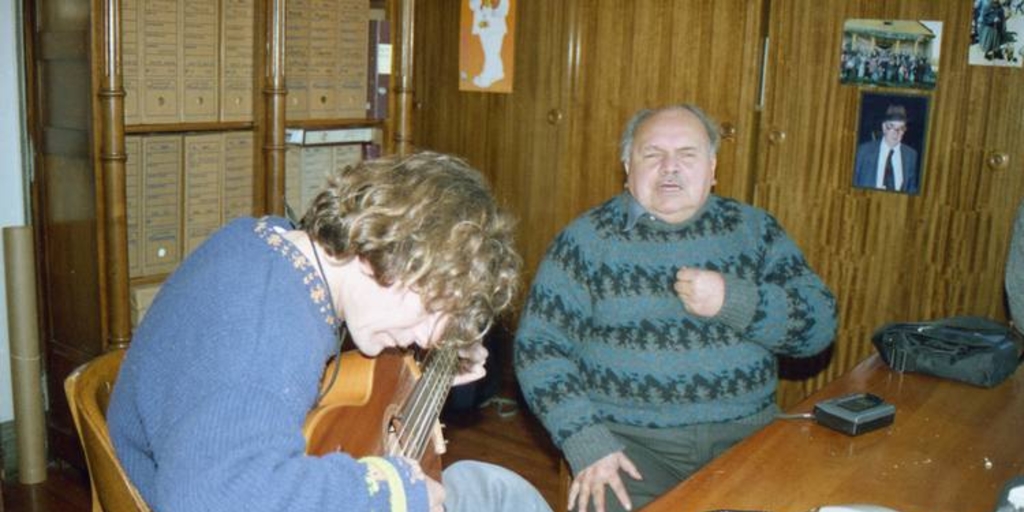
column 996, row 27
column 487, row 45
column 891, row 53
column 891, row 135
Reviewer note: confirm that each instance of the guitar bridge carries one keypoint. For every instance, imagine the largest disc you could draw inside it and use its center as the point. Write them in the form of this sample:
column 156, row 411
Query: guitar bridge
column 437, row 436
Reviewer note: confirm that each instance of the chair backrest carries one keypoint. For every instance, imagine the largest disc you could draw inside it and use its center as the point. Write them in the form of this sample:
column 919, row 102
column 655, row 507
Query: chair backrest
column 88, row 391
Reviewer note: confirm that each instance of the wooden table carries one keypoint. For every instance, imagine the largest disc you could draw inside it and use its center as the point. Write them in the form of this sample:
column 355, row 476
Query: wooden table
column 951, row 448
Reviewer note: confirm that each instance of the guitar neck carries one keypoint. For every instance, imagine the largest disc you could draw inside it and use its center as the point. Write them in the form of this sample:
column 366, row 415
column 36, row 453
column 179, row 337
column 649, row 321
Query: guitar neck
column 415, row 424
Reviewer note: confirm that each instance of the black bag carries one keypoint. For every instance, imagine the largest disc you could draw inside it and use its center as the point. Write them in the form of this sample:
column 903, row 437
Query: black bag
column 974, row 350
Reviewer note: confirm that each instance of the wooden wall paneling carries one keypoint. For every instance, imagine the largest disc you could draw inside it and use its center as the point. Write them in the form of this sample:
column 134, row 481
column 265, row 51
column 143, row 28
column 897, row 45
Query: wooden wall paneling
column 65, row 213
column 809, row 127
column 889, row 257
column 515, row 139
column 967, row 231
column 71, row 287
column 582, row 68
column 647, row 54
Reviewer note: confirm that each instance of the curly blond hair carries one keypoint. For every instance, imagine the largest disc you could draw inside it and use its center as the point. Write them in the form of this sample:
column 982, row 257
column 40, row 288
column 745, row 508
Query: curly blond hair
column 430, row 222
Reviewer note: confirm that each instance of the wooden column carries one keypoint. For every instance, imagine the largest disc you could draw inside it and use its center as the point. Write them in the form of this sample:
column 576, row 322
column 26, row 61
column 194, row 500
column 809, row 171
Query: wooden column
column 403, row 85
column 274, row 96
column 112, row 158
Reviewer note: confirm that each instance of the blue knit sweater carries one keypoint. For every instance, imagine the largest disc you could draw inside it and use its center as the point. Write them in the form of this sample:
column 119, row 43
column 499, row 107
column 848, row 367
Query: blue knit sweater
column 604, row 337
column 208, row 409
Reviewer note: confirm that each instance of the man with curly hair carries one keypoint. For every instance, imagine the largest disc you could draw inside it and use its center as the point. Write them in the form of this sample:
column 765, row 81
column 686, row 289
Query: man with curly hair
column 208, row 410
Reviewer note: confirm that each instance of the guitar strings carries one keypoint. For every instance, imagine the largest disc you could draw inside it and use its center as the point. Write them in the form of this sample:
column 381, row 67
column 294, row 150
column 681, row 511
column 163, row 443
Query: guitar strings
column 410, row 428
column 439, row 392
column 401, row 444
column 420, row 411
column 421, row 408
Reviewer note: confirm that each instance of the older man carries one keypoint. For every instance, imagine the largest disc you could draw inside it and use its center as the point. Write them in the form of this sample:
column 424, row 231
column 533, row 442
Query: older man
column 648, row 342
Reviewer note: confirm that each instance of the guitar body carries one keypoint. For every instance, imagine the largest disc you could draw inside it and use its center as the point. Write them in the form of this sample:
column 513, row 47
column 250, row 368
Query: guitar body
column 359, row 413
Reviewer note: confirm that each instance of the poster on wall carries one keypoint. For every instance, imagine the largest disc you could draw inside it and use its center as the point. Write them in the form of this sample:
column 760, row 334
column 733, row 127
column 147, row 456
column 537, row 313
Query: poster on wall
column 890, row 142
column 891, row 53
column 996, row 29
column 487, row 45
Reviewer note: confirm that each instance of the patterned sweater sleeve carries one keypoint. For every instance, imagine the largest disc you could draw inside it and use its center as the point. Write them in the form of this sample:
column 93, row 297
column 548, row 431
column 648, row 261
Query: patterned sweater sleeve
column 1015, row 271
column 549, row 335
column 784, row 306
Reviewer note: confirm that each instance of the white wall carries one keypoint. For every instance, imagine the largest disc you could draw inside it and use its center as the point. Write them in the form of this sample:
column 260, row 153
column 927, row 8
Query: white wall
column 12, row 181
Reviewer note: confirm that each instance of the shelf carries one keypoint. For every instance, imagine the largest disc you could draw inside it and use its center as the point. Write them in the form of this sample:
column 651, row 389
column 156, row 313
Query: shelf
column 141, row 129
column 326, row 124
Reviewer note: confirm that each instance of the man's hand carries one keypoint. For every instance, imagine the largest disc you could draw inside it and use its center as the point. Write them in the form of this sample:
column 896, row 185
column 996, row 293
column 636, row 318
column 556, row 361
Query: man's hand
column 589, row 484
column 471, row 364
column 436, row 493
column 702, row 291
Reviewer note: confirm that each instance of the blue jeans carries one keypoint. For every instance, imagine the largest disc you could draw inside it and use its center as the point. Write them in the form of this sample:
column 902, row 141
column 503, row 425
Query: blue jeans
column 472, row 486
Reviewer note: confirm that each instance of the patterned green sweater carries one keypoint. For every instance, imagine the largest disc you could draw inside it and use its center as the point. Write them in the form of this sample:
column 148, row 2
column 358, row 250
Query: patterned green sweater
column 1015, row 271
column 604, row 337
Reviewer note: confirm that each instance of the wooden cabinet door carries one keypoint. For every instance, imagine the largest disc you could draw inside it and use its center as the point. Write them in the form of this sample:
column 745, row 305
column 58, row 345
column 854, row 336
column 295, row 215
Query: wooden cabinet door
column 889, row 256
column 516, row 139
column 67, row 201
column 634, row 55
column 582, row 68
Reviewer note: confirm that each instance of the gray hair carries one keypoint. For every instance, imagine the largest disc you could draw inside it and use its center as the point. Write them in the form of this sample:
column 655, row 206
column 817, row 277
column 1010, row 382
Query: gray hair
column 710, row 126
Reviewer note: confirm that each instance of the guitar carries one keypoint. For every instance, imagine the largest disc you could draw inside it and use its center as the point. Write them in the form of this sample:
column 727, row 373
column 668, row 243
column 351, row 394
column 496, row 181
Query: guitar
column 383, row 406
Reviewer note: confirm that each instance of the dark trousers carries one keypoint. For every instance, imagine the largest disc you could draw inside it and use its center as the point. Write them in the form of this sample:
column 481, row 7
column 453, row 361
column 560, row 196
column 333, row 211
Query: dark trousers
column 667, row 456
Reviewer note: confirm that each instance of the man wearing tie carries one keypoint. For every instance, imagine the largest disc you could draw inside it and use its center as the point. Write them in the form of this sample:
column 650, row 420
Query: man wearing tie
column 886, row 163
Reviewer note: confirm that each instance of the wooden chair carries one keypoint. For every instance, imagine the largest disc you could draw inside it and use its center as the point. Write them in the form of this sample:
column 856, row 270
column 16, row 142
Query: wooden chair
column 88, row 391
column 564, row 483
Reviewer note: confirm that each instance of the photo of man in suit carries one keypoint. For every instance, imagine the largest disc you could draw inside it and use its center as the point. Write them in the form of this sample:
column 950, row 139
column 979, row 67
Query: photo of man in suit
column 887, row 163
